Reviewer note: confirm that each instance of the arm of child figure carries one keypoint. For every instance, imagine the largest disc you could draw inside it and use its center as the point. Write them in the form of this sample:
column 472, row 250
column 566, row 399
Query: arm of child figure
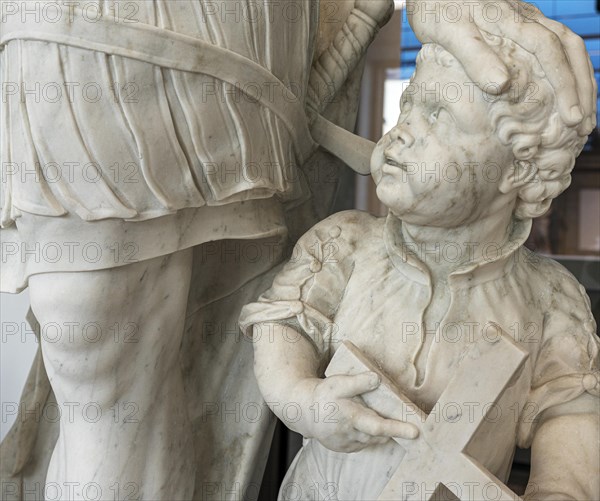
column 286, row 367
column 565, row 455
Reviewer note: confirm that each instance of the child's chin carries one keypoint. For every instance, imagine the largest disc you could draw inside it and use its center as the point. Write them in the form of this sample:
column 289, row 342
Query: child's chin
column 376, row 170
column 380, row 190
column 390, row 190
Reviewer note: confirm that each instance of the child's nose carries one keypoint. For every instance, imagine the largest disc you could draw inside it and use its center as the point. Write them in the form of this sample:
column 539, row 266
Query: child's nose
column 401, row 134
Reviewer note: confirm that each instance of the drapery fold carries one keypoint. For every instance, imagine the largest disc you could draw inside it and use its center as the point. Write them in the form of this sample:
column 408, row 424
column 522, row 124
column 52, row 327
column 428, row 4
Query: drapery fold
column 156, row 151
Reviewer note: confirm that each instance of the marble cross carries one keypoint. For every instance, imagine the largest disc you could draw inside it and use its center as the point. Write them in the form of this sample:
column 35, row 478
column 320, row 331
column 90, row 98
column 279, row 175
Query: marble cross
column 436, row 462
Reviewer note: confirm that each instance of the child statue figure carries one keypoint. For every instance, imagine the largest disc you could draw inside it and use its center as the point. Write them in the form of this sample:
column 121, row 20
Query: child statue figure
column 463, row 174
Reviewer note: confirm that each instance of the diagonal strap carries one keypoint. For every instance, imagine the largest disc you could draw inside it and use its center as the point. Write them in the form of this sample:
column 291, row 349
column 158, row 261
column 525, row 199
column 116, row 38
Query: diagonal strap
column 173, row 50
column 167, row 49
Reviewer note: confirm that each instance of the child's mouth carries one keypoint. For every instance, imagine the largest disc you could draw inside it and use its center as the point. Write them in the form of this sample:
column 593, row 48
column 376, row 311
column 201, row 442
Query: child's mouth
column 389, row 162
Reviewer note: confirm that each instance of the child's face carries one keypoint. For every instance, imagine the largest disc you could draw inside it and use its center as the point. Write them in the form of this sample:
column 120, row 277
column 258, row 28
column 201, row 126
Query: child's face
column 442, row 164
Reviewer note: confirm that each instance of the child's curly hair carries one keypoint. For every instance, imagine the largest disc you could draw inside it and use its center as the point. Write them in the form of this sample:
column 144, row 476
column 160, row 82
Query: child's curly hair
column 526, row 119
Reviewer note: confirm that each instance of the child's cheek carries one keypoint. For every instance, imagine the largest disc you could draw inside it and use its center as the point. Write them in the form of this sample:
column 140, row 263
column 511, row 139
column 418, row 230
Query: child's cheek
column 377, row 161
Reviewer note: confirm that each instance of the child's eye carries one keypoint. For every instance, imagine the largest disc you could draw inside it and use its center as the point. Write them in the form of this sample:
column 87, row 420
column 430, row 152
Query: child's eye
column 405, row 108
column 439, row 114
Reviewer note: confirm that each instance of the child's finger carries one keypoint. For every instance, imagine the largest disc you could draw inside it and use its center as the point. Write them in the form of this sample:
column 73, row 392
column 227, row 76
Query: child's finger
column 358, row 440
column 351, row 386
column 372, row 424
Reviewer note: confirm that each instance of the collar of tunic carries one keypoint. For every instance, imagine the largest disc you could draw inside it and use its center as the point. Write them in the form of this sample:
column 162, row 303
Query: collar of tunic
column 496, row 260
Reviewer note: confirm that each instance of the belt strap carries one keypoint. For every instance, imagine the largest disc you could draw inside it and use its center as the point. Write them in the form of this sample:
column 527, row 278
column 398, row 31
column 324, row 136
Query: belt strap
column 181, row 52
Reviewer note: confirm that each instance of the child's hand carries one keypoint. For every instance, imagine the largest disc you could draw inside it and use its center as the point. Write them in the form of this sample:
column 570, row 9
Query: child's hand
column 334, row 415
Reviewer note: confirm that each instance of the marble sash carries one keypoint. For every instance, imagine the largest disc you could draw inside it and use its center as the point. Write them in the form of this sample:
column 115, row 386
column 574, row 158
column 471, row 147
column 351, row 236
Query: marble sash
column 177, row 51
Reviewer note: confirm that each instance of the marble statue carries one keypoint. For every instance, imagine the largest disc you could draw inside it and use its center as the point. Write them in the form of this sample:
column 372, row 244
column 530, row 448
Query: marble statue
column 157, row 159
column 414, row 352
column 156, row 155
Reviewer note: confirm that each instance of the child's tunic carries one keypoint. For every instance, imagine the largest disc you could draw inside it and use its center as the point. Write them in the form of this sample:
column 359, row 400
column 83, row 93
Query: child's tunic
column 353, row 278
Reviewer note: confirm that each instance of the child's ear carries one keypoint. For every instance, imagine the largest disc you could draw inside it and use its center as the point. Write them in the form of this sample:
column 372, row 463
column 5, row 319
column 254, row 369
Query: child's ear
column 517, row 175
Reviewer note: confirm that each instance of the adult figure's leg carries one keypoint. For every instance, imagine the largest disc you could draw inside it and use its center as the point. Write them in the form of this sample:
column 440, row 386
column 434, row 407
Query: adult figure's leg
column 110, row 341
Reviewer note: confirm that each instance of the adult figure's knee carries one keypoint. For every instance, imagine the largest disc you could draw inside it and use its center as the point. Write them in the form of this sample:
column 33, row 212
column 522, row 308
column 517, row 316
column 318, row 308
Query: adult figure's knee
column 102, row 326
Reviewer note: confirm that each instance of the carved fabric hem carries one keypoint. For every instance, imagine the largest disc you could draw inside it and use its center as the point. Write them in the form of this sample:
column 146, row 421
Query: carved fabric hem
column 39, row 244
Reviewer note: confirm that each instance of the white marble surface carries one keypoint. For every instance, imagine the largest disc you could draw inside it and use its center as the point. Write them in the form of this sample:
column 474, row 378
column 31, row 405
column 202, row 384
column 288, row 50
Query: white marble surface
column 147, row 366
column 464, row 171
column 19, row 346
column 186, row 208
column 437, row 456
